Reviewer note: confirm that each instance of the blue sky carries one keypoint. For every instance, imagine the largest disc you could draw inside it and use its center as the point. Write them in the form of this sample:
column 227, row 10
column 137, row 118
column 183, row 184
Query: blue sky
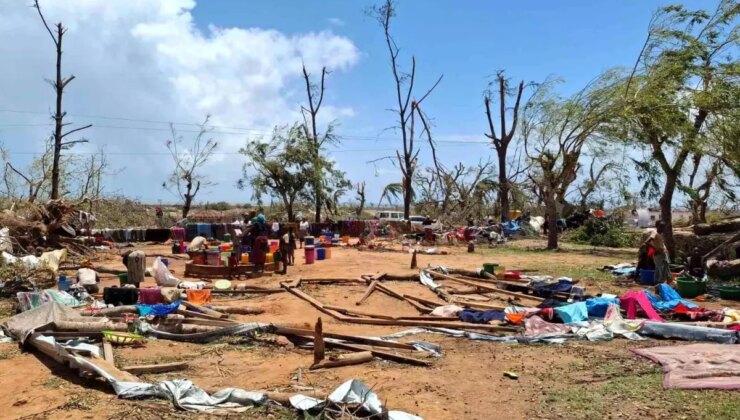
column 467, row 42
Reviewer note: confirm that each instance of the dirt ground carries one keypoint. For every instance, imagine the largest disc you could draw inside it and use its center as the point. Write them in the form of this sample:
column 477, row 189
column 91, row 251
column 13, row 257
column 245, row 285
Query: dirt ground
column 573, row 380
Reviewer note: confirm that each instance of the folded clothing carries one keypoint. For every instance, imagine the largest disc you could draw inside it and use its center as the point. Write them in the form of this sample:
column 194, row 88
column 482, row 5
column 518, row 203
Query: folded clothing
column 118, row 296
column 199, row 297
column 480, row 317
column 150, row 296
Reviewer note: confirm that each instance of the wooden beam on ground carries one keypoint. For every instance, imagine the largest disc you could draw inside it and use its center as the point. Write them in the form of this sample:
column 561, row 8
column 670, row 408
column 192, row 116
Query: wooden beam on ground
column 332, row 281
column 246, row 291
column 368, row 292
column 362, row 340
column 93, row 335
column 203, row 309
column 423, row 301
column 481, row 306
column 318, row 342
column 160, row 368
column 485, row 287
column 354, row 312
column 239, row 310
column 108, row 351
column 346, row 360
column 315, row 303
column 185, row 312
column 381, row 354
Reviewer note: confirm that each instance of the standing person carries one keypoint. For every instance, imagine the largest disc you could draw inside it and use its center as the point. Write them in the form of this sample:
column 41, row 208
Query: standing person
column 289, row 237
column 661, row 258
column 258, row 229
column 275, row 229
column 302, row 231
column 285, row 252
column 88, row 278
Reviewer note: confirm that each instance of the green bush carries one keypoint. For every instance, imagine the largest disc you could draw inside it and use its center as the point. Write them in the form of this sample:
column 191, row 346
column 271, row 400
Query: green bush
column 601, row 232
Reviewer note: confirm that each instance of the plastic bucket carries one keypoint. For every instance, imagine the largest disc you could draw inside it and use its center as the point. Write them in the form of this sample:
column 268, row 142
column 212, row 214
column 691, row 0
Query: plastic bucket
column 63, row 284
column 245, row 258
column 213, row 258
column 123, row 279
column 274, row 245
column 489, row 267
column 310, row 254
column 227, row 237
column 647, row 277
column 729, row 292
column 320, row 254
column 690, row 288
column 269, row 257
column 309, row 240
column 327, row 253
column 345, row 239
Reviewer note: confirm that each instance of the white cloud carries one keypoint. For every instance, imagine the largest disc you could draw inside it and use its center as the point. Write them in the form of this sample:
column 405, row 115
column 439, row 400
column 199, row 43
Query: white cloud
column 147, row 59
column 336, row 21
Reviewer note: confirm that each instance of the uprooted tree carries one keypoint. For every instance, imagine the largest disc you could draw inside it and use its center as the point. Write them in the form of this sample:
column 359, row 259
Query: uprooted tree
column 406, row 106
column 187, row 179
column 59, row 84
column 685, row 76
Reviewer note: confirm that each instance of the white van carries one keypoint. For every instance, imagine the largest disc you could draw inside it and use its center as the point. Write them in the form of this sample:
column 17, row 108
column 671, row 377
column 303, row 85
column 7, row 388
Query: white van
column 386, row 215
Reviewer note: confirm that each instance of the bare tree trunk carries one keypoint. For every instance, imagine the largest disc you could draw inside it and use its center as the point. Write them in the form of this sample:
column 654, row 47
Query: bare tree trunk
column 503, row 180
column 552, row 219
column 58, row 117
column 666, row 202
column 407, row 197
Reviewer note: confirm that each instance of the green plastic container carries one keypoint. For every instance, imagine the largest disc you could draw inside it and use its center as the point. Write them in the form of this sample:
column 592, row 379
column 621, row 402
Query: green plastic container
column 123, row 279
column 690, row 288
column 729, row 292
column 227, row 237
column 489, row 267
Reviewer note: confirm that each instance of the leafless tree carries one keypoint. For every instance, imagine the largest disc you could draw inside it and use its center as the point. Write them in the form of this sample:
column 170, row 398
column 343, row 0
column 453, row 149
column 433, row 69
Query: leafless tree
column 315, row 95
column 596, row 178
column 360, row 192
column 406, row 107
column 186, row 178
column 504, row 137
column 59, row 84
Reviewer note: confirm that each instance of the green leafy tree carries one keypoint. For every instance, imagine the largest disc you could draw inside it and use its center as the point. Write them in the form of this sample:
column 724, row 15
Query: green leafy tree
column 684, row 78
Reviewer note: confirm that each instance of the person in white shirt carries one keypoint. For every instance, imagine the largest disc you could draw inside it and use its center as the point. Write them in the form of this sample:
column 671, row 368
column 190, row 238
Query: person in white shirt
column 89, row 279
column 302, row 231
column 275, row 229
column 198, row 243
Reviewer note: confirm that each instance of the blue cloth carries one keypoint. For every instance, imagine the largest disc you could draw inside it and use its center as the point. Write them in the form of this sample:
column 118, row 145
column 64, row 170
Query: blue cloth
column 575, row 312
column 550, row 289
column 598, row 306
column 480, row 317
column 204, row 230
column 627, row 271
column 511, row 227
column 668, row 299
column 159, row 309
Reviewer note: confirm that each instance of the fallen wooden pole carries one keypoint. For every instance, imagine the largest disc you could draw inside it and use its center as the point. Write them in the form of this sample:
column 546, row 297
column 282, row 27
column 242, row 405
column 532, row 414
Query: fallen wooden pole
column 368, row 292
column 318, row 342
column 160, row 368
column 245, row 291
column 381, row 354
column 354, row 312
column 238, row 310
column 424, row 301
column 347, row 360
column 362, row 340
column 203, row 309
column 108, row 351
column 483, row 306
column 192, row 314
column 485, row 287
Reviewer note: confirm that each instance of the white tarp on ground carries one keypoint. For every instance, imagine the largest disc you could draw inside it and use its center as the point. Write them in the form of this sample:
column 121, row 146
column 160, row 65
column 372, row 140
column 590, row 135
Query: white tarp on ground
column 22, row 325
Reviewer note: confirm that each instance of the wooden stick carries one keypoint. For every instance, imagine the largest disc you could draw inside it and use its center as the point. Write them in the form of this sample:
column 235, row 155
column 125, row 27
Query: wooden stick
column 238, row 310
column 331, row 280
column 389, row 291
column 354, row 312
column 192, row 314
column 198, row 308
column 347, row 360
column 108, row 351
column 368, row 292
column 164, row 367
column 381, row 354
column 421, row 308
column 482, row 306
column 315, row 303
column 363, row 340
column 486, row 287
column 422, row 300
column 246, row 291
column 318, row 342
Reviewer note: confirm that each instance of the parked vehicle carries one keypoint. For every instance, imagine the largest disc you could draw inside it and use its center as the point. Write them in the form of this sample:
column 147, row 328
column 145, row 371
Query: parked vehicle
column 386, row 215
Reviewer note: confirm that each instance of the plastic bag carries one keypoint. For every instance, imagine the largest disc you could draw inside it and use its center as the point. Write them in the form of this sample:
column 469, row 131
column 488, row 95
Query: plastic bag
column 5, row 244
column 162, row 274
column 52, row 259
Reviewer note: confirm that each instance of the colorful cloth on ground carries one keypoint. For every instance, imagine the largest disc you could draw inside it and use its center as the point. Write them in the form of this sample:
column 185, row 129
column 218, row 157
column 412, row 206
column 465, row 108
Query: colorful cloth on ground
column 697, row 366
column 632, row 300
column 516, row 318
column 697, row 314
column 150, row 296
column 158, row 309
column 668, row 300
column 447, row 310
column 535, row 326
column 119, row 296
column 480, row 317
column 170, row 294
column 199, row 297
column 30, row 300
column 597, row 306
column 563, row 285
column 575, row 312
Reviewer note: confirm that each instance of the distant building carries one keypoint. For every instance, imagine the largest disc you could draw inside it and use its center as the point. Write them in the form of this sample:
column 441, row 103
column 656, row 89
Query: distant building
column 647, row 216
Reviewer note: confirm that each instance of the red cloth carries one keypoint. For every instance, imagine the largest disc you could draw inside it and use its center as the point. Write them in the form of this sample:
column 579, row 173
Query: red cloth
column 199, row 297
column 150, row 296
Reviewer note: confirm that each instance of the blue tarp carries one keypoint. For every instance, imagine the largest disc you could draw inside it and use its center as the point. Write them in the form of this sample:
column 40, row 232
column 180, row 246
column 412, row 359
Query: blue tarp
column 548, row 290
column 668, row 299
column 575, row 312
column 159, row 309
column 597, row 306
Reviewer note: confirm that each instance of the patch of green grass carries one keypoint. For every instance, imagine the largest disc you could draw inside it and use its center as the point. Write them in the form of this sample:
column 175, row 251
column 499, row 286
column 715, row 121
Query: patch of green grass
column 54, row 382
column 83, row 401
column 9, row 351
column 633, row 386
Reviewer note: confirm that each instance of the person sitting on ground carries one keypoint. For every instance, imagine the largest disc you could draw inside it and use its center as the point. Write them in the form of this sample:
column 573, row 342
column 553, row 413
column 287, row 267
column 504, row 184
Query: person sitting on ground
column 198, row 243
column 88, row 278
column 661, row 258
column 694, row 264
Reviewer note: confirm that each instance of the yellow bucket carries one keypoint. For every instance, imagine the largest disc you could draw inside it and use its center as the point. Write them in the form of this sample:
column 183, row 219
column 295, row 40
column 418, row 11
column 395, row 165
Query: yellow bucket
column 245, row 258
column 345, row 239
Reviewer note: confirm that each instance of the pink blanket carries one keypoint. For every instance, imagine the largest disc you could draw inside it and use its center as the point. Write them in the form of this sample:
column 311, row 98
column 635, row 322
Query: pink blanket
column 633, row 300
column 697, row 366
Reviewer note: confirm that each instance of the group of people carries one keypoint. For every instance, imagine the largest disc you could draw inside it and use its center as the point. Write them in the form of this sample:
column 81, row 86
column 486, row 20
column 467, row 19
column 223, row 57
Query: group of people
column 256, row 235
